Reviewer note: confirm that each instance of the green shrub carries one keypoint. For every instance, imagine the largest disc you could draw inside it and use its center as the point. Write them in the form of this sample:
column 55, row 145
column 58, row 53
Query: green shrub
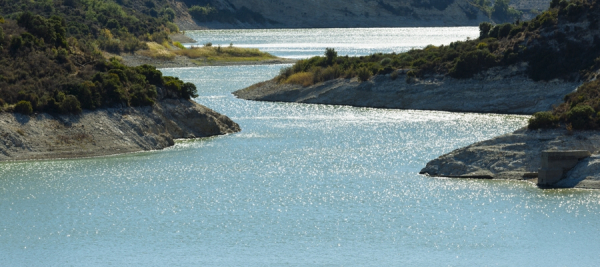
column 202, row 13
column 515, row 30
column 580, row 116
column 386, row 61
column 494, row 32
column 504, row 30
column 472, row 62
column 364, row 74
column 482, row 46
column 70, row 105
column 484, row 30
column 189, row 91
column 418, row 63
column 173, row 28
column 542, row 120
column 24, row 107
column 330, row 55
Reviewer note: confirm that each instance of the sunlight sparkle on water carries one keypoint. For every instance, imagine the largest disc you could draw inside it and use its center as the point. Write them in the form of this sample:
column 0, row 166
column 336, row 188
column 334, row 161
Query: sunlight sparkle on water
column 300, row 185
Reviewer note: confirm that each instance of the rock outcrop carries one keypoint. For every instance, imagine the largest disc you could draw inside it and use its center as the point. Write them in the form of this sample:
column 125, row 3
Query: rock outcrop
column 108, row 131
column 498, row 90
column 517, row 156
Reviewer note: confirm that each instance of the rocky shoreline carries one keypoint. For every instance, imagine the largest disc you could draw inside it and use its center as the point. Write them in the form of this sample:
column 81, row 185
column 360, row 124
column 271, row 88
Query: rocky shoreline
column 499, row 90
column 108, row 131
column 517, row 156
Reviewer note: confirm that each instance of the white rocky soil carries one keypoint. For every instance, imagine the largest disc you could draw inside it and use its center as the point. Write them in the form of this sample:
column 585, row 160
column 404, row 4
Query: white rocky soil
column 504, row 90
column 108, row 131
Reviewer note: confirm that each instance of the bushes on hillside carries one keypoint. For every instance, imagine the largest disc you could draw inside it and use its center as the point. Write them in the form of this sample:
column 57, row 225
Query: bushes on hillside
column 24, row 107
column 49, row 77
column 543, row 119
column 208, row 14
column 580, row 111
column 581, row 117
column 472, row 62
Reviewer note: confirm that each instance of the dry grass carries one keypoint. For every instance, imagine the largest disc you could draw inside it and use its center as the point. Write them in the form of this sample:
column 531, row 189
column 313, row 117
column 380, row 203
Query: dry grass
column 303, row 78
column 157, row 51
column 166, row 51
column 212, row 53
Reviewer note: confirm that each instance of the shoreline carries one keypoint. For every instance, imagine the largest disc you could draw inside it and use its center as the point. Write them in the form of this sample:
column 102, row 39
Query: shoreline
column 500, row 90
column 134, row 60
column 517, row 156
column 108, row 131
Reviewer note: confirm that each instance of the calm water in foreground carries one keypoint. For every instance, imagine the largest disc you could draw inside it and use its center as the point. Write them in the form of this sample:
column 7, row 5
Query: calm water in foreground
column 301, row 185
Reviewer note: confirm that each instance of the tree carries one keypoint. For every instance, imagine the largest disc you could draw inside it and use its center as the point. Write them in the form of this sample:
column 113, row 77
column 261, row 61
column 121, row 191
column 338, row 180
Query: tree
column 330, row 54
column 484, row 30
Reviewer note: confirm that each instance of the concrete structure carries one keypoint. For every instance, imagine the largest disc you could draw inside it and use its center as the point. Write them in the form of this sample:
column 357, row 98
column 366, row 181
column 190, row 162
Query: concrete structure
column 555, row 164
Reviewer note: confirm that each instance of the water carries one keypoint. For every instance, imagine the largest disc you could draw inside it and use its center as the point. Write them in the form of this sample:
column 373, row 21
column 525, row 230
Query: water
column 300, row 185
column 304, row 43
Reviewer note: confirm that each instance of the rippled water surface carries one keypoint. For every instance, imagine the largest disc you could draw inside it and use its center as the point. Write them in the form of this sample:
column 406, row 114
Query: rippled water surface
column 301, row 185
column 303, row 43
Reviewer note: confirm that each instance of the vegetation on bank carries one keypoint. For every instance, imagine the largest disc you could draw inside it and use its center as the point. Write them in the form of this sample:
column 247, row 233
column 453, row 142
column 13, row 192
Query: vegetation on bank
column 203, row 11
column 560, row 43
column 580, row 111
column 207, row 53
column 499, row 11
column 112, row 25
column 46, row 70
column 532, row 42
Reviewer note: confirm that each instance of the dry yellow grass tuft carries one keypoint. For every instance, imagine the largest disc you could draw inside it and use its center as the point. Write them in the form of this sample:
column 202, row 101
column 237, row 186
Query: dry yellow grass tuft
column 224, row 53
column 303, row 78
column 166, row 51
column 157, row 51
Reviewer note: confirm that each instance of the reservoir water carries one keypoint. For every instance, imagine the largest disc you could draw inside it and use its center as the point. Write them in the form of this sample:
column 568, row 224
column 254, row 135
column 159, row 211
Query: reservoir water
column 301, row 185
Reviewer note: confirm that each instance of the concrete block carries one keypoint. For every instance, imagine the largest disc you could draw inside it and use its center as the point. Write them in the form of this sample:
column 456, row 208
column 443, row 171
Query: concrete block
column 555, row 164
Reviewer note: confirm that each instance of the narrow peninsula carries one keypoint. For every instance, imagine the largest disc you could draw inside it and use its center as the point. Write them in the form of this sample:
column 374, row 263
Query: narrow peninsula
column 547, row 67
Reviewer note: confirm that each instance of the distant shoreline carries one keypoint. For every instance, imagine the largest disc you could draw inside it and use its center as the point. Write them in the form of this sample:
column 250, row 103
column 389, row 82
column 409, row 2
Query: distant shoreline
column 181, row 61
column 134, row 60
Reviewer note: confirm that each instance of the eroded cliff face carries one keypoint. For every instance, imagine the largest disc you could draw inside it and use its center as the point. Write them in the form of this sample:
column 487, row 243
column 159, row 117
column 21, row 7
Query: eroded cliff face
column 108, row 131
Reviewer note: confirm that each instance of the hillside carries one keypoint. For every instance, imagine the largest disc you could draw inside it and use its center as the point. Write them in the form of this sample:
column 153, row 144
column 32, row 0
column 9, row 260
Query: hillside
column 53, row 69
column 557, row 49
column 51, row 55
column 342, row 13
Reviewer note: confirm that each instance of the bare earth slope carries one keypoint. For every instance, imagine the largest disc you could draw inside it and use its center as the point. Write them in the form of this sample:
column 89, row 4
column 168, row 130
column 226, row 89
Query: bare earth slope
column 108, row 131
column 498, row 90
